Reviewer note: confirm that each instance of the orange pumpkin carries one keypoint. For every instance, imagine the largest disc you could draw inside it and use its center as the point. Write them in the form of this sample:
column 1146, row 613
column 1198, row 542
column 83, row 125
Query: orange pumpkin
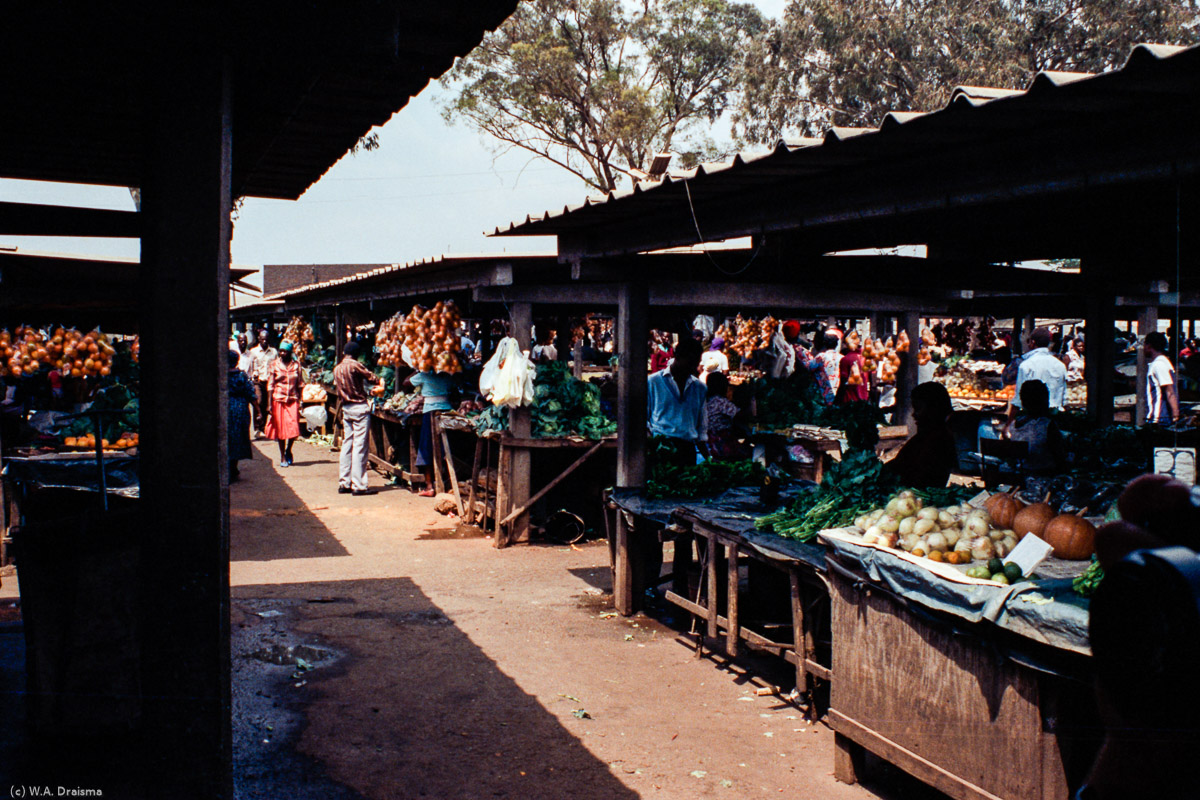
column 1003, row 509
column 1072, row 537
column 1033, row 519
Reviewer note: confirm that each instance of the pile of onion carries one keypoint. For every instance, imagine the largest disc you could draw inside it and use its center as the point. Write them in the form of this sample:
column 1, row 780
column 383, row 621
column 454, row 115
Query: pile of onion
column 431, row 335
column 299, row 333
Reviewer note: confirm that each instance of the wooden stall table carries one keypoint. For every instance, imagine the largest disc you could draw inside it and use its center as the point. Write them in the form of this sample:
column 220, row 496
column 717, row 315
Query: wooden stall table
column 389, row 432
column 981, row 691
column 723, row 527
column 506, row 513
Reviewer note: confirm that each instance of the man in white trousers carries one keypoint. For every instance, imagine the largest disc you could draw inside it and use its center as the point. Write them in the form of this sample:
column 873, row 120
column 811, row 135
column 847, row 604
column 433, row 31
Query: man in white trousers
column 350, row 377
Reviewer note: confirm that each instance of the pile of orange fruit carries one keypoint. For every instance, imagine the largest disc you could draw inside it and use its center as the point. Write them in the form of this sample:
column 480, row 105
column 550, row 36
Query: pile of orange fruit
column 88, row 442
column 27, row 351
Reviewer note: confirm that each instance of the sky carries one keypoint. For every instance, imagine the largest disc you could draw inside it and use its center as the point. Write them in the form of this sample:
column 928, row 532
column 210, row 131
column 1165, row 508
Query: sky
column 430, row 189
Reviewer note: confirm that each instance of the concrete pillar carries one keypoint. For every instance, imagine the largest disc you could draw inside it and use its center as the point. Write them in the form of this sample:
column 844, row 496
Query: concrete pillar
column 184, row 292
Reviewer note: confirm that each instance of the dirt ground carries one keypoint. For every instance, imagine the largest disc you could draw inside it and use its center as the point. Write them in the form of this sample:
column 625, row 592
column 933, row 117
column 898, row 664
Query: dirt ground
column 381, row 652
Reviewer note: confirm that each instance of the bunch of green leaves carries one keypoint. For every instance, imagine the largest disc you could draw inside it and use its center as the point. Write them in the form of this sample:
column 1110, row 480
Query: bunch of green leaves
column 667, row 478
column 1088, row 581
column 564, row 405
column 783, row 402
column 492, row 418
column 121, row 414
column 855, row 485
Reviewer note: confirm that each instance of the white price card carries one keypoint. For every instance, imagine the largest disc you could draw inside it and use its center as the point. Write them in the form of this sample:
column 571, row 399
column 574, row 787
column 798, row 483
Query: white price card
column 1178, row 462
column 1030, row 552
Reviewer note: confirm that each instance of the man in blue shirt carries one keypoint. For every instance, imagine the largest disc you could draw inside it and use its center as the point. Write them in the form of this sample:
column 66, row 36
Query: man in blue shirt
column 676, row 401
column 1042, row 365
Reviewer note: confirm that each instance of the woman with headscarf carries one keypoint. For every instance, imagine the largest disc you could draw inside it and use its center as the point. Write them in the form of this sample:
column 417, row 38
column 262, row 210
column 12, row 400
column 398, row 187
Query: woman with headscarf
column 283, row 388
column 713, row 360
column 241, row 395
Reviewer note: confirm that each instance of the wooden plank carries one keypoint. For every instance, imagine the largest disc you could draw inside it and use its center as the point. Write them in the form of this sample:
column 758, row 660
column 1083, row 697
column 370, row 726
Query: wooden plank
column 917, row 766
column 681, row 562
column 501, row 539
column 475, row 468
column 552, row 444
column 632, row 308
column 383, row 466
column 847, row 759
column 734, row 627
column 453, row 472
column 798, row 632
column 436, row 453
column 549, row 486
column 917, row 688
column 714, row 570
column 623, row 599
column 818, row 670
column 519, row 477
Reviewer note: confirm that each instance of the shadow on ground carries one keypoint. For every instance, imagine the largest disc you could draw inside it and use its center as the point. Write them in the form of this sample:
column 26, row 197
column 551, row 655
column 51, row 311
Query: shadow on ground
column 408, row 706
column 283, row 526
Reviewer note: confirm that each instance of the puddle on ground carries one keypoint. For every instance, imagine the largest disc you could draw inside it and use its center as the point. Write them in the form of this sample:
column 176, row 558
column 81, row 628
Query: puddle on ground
column 595, row 602
column 460, row 532
column 283, row 655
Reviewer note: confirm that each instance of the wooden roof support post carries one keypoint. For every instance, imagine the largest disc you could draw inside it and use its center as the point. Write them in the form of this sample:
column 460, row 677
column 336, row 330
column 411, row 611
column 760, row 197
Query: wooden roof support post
column 632, row 308
column 1147, row 321
column 1100, row 354
column 633, row 305
column 184, row 286
column 906, row 378
column 519, row 478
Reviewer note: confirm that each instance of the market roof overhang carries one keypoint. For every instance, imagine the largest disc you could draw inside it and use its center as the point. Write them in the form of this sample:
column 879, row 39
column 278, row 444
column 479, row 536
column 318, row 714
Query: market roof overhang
column 885, row 284
column 35, row 284
column 310, row 79
column 1075, row 166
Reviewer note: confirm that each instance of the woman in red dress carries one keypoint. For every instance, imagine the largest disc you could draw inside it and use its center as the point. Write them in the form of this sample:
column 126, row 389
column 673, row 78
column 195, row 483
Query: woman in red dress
column 283, row 387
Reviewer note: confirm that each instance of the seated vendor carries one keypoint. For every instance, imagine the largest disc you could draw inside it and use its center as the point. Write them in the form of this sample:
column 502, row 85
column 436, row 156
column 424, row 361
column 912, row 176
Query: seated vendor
column 676, row 401
column 724, row 429
column 928, row 458
column 1035, row 427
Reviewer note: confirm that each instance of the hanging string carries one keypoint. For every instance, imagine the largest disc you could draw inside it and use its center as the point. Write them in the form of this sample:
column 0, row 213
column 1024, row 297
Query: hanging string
column 696, row 223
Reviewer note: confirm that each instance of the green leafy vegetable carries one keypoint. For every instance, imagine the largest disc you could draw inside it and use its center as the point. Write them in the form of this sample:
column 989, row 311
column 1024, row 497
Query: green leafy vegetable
column 1088, row 582
column 855, row 485
column 667, row 478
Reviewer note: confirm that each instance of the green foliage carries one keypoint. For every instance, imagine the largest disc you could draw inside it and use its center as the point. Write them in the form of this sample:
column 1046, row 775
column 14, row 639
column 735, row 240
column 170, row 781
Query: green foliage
column 855, row 485
column 492, row 418
column 564, row 405
column 1089, row 580
column 597, row 86
column 848, row 62
column 784, row 402
column 667, row 479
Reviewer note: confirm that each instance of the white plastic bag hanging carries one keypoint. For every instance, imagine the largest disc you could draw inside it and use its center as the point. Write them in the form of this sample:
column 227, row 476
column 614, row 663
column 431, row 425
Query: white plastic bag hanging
column 507, row 378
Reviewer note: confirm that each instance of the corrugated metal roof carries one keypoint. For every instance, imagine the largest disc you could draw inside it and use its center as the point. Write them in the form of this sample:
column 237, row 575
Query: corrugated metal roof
column 399, row 270
column 1152, row 74
column 309, row 79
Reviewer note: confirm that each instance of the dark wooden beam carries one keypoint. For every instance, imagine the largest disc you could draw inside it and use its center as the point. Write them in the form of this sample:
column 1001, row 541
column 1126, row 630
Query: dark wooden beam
column 633, row 304
column 32, row 219
column 187, row 199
